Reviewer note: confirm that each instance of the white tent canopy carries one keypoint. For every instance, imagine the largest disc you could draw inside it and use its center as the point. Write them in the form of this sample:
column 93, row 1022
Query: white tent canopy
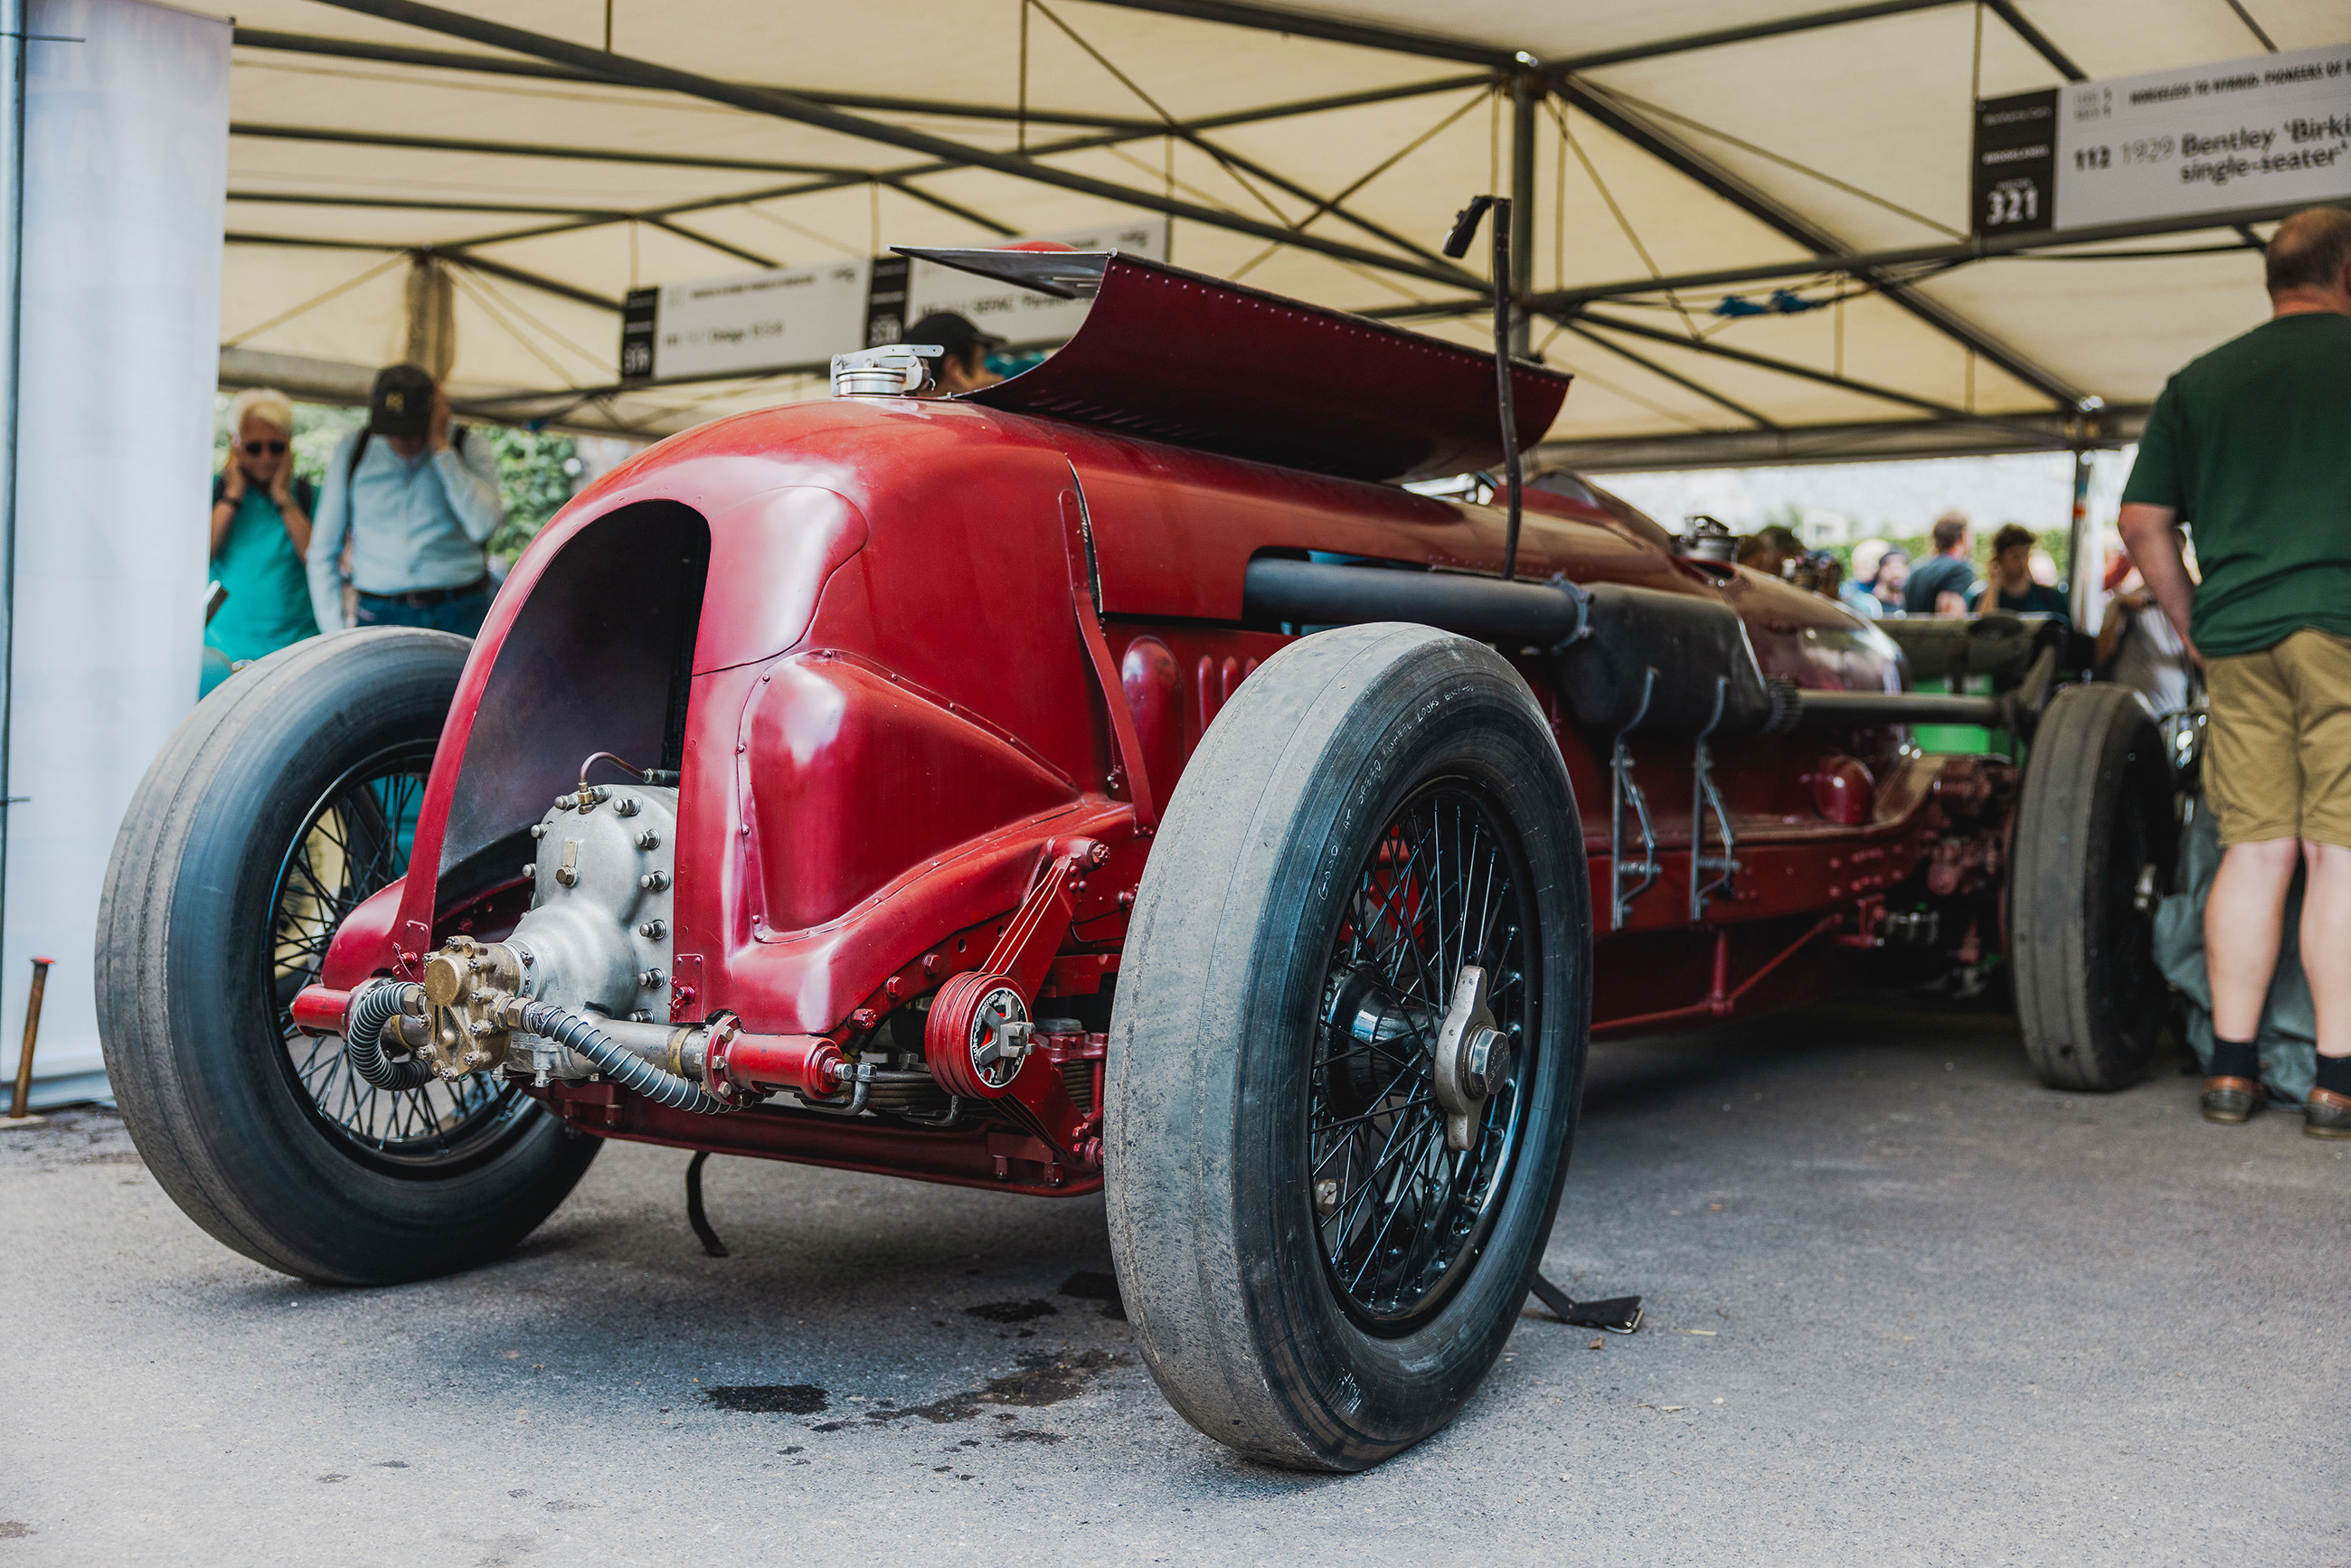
column 550, row 155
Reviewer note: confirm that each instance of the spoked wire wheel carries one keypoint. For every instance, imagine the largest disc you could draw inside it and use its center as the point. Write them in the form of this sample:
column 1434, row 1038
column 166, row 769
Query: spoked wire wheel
column 288, row 797
column 1347, row 1046
column 354, row 843
column 1402, row 1216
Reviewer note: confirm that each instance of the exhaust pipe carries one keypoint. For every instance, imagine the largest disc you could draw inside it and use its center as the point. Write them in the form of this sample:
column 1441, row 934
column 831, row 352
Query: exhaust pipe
column 1525, row 614
column 1901, row 707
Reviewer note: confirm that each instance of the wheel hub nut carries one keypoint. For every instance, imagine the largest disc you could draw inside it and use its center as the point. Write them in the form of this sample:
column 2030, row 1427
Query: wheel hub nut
column 1473, row 1059
column 1486, row 1064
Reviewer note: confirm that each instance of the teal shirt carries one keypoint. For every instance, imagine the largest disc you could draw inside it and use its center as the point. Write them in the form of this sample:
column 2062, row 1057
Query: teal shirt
column 269, row 602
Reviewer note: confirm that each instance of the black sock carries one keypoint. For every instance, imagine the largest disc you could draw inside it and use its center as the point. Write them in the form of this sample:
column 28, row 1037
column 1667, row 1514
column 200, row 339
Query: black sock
column 2235, row 1059
column 2334, row 1075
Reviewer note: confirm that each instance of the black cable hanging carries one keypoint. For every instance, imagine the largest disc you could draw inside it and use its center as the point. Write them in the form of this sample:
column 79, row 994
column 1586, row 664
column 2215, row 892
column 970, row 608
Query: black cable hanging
column 1457, row 245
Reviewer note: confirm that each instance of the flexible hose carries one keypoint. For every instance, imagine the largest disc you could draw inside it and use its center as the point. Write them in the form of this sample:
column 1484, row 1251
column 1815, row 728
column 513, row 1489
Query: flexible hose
column 617, row 1061
column 363, row 1041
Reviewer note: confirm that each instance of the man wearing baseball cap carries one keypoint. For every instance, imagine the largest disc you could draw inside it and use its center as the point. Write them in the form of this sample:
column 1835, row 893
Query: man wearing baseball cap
column 964, row 366
column 416, row 502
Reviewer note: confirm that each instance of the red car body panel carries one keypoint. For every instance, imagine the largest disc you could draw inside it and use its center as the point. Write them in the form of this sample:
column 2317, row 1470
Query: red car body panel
column 894, row 707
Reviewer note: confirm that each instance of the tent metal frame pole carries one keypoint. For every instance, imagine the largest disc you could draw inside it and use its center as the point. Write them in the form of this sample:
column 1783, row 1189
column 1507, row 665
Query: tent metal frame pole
column 699, row 204
column 2077, row 533
column 1862, row 442
column 782, row 105
column 2036, row 40
column 1323, row 205
column 1654, row 368
column 492, row 65
column 528, row 279
column 670, row 225
column 447, row 253
column 1369, row 96
column 1276, row 19
column 902, row 179
column 1959, row 252
column 532, row 150
column 496, row 64
column 906, row 187
column 1756, row 204
column 1778, row 27
column 1329, row 29
column 1806, row 372
column 1527, row 92
column 429, row 205
column 312, row 241
column 1720, row 181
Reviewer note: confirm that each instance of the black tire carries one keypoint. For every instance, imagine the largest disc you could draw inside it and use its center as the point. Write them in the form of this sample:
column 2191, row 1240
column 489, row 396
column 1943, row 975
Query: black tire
column 278, row 803
column 1223, row 1081
column 2097, row 838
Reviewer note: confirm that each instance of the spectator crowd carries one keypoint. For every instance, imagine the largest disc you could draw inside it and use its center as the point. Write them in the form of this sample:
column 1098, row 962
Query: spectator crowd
column 395, row 536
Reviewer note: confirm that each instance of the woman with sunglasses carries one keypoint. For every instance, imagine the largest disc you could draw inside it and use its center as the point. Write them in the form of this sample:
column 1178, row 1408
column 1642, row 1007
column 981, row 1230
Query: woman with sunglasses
column 261, row 526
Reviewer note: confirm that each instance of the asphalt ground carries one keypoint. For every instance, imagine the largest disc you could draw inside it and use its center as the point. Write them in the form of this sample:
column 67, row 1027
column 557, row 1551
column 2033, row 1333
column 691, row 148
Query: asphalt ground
column 1905, row 1306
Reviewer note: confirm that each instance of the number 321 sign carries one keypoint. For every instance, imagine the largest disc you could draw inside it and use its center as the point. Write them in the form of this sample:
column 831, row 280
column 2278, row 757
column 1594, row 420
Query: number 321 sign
column 2016, row 163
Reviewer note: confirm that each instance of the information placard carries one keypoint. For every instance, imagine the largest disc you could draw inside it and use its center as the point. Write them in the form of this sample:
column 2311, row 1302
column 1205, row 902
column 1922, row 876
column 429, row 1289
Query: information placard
column 2271, row 130
column 2274, row 129
column 758, row 322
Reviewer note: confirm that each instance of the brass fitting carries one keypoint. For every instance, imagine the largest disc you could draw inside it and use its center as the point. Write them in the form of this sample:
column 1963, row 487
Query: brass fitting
column 472, row 1004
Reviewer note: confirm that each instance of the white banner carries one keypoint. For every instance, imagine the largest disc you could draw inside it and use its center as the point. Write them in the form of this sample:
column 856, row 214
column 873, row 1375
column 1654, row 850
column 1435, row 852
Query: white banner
column 2274, row 129
column 126, row 176
column 759, row 322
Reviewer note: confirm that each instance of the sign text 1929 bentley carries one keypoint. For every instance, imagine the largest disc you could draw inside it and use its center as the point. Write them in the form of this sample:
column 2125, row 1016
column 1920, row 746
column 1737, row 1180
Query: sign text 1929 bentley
column 945, row 789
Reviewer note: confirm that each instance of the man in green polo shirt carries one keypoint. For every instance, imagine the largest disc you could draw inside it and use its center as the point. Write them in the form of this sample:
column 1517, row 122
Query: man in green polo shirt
column 2250, row 448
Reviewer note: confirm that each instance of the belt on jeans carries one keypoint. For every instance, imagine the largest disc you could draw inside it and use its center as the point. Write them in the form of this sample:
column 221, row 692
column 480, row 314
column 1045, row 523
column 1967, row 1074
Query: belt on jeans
column 426, row 597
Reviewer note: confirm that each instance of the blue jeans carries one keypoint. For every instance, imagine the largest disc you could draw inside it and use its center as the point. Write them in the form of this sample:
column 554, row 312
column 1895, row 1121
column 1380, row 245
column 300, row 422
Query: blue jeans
column 462, row 616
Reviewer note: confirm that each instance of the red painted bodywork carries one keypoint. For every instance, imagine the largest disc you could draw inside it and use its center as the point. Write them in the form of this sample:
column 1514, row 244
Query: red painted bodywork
column 1242, row 374
column 935, row 638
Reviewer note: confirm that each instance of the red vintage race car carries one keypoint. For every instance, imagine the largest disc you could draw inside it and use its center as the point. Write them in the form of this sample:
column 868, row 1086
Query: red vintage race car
column 1116, row 779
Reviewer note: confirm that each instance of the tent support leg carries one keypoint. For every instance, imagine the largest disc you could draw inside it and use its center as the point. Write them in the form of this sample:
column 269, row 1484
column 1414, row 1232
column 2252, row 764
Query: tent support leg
column 1527, row 92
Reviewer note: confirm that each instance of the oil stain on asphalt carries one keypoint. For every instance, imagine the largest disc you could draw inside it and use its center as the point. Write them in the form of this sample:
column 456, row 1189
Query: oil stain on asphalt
column 771, row 1398
column 1012, row 1312
column 1042, row 1380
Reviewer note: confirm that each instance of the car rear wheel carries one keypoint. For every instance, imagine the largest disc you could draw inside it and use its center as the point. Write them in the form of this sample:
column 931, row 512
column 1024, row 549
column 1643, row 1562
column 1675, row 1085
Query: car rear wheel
column 1325, row 1203
column 287, row 798
column 2097, row 838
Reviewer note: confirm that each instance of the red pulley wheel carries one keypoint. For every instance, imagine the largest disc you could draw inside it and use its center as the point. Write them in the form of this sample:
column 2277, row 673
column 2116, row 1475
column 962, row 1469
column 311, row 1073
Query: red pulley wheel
column 976, row 1035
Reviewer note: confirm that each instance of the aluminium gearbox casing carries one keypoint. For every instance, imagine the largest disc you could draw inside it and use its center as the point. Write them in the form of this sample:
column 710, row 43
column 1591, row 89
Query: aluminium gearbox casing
column 598, row 938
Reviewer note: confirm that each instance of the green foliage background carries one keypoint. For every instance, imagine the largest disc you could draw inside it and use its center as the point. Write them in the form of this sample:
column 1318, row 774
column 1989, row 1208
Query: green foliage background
column 537, row 473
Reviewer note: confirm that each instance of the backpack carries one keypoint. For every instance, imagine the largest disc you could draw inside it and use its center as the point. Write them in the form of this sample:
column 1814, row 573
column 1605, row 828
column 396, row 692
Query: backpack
column 359, row 450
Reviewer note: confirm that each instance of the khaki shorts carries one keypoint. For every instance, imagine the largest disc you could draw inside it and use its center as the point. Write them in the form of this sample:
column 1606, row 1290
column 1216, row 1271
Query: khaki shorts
column 2277, row 757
